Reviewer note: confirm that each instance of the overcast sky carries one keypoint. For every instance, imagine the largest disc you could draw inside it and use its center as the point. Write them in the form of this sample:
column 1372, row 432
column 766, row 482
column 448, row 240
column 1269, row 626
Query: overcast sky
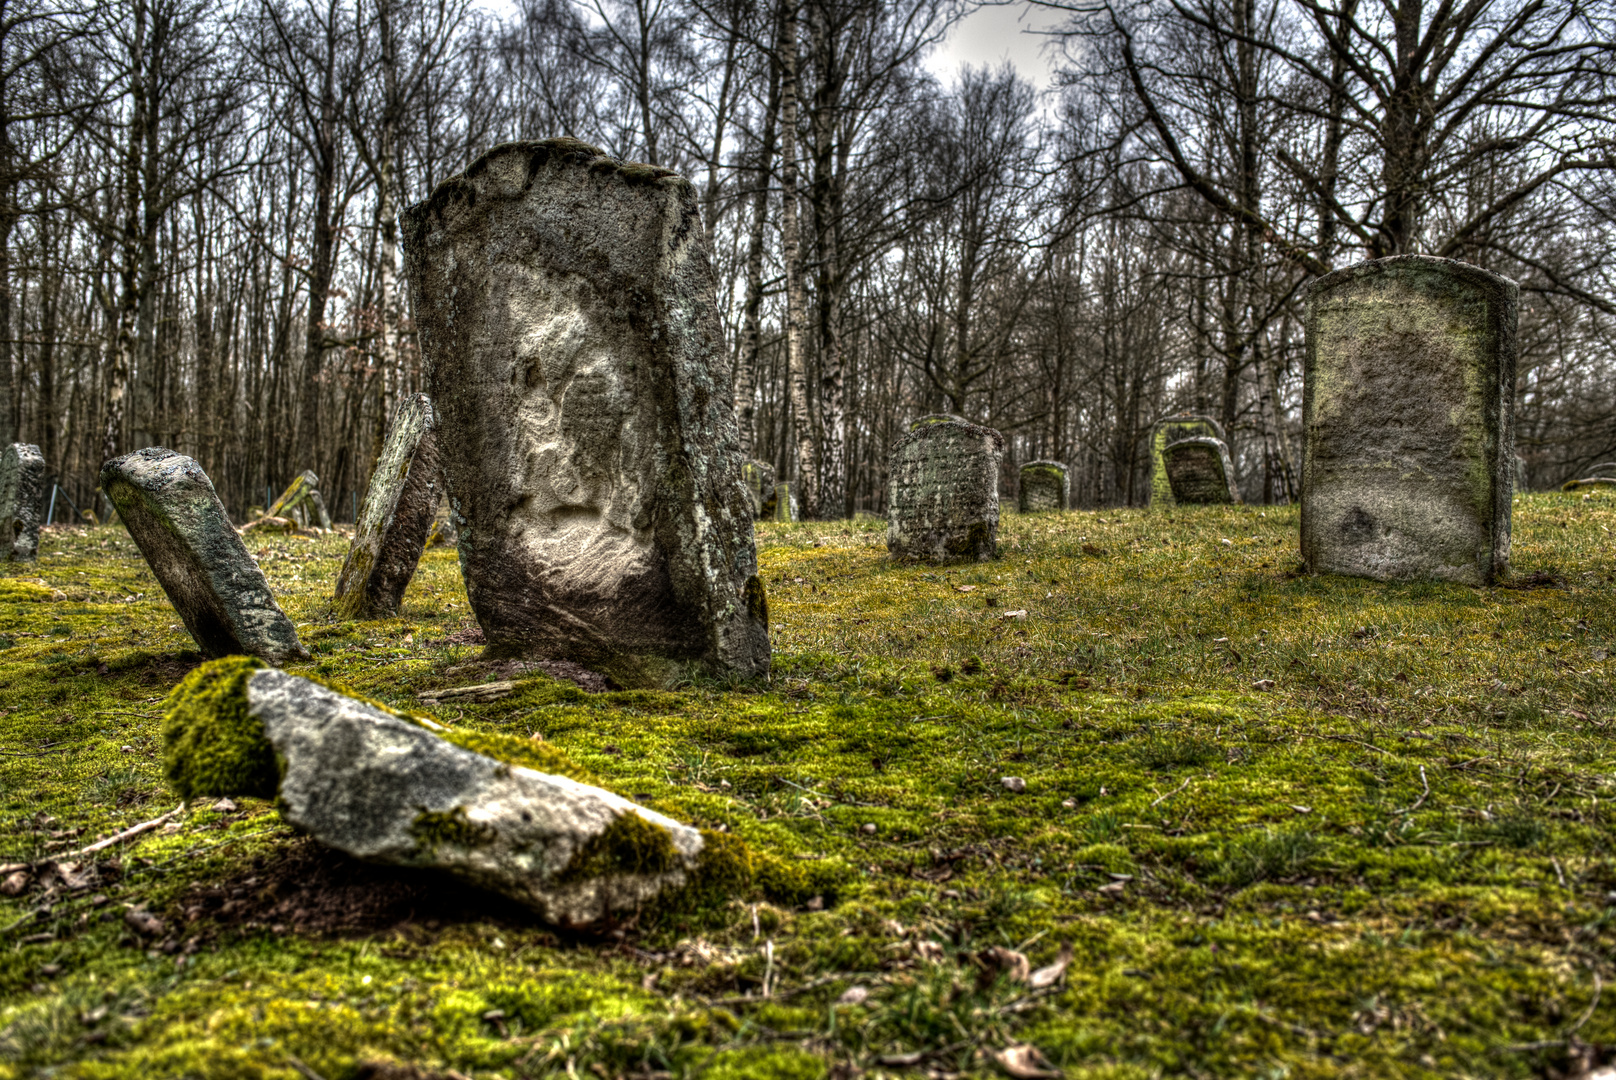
column 996, row 33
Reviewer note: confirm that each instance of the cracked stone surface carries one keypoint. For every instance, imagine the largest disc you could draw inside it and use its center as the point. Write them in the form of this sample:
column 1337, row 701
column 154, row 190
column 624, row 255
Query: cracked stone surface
column 170, row 508
column 943, row 492
column 22, row 501
column 383, row 789
column 395, row 518
column 1408, row 399
column 566, row 305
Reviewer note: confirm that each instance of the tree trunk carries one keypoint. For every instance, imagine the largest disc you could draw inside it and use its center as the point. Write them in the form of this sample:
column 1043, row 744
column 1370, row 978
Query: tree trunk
column 796, row 293
column 751, row 319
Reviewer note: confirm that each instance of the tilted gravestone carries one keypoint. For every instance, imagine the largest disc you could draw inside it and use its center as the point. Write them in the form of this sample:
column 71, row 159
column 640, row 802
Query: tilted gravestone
column 1200, row 472
column 943, row 493
column 1045, row 485
column 1171, row 429
column 566, row 306
column 302, row 502
column 22, row 501
column 169, row 506
column 400, row 505
column 781, row 505
column 759, row 477
column 1408, row 395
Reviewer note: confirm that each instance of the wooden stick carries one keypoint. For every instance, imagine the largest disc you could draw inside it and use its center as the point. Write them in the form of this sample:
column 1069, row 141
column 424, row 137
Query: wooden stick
column 128, row 834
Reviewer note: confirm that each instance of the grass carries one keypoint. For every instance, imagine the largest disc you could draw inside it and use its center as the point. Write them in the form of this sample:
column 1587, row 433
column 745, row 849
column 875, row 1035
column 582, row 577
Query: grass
column 1289, row 826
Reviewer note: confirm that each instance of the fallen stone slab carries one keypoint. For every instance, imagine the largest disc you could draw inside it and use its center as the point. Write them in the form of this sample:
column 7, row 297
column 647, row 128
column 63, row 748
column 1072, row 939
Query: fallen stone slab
column 22, row 501
column 394, row 521
column 171, row 510
column 384, row 788
column 567, row 312
column 477, row 694
column 1200, row 472
column 302, row 502
column 1045, row 485
column 1170, row 429
column 1408, row 399
column 1587, row 481
column 943, row 493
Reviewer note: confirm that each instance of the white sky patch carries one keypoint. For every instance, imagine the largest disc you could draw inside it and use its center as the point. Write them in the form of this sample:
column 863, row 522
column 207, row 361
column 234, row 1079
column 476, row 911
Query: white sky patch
column 995, row 33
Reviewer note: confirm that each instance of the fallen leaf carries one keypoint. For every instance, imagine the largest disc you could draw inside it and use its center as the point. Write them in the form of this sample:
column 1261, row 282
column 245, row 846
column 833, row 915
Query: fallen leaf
column 1046, row 976
column 966, row 588
column 143, row 921
column 997, row 960
column 1263, row 684
column 1024, row 1062
column 1013, row 784
column 226, row 806
column 854, row 995
column 1020, row 614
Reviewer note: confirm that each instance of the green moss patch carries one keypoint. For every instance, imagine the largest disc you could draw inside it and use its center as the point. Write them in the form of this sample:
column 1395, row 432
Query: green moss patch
column 211, row 747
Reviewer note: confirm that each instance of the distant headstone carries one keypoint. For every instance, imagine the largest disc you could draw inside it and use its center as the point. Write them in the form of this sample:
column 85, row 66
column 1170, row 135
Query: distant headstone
column 22, row 501
column 781, row 505
column 936, row 418
column 399, row 508
column 302, row 502
column 1200, row 472
column 168, row 505
column 759, row 477
column 443, row 532
column 566, row 306
column 1408, row 396
column 1045, row 485
column 943, row 495
column 1171, row 429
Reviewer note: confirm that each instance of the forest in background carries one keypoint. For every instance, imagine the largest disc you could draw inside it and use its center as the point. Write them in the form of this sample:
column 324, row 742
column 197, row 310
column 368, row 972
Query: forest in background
column 199, row 248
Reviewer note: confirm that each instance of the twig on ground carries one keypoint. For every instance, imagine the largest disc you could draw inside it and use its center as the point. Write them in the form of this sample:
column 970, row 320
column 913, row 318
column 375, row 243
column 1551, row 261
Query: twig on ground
column 128, row 834
column 1421, row 800
column 1170, row 794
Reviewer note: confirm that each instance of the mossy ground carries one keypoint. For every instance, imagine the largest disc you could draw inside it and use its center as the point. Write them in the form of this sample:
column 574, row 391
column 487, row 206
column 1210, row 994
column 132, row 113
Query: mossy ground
column 1393, row 861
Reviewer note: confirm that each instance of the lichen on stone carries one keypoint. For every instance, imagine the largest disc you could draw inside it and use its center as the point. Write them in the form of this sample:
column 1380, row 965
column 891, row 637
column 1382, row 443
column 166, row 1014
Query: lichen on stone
column 211, row 746
column 451, row 828
column 629, row 845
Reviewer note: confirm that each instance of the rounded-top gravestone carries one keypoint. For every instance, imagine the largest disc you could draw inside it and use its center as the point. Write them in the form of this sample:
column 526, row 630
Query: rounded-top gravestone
column 1168, row 430
column 567, row 312
column 943, row 493
column 1045, row 485
column 1408, row 393
column 1200, row 472
column 22, row 501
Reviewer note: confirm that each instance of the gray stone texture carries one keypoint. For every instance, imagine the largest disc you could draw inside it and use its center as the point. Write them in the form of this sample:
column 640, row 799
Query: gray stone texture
column 1408, row 395
column 22, row 501
column 566, row 307
column 1045, row 485
column 759, row 477
column 1200, row 472
column 943, row 493
column 386, row 790
column 1170, row 429
column 400, row 505
column 169, row 507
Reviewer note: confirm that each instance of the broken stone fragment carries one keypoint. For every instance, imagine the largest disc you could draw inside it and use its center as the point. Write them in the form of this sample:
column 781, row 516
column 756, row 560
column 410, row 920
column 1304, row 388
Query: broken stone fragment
column 1169, row 430
column 400, row 504
column 1045, row 485
column 384, row 788
column 1408, row 399
column 1200, row 472
column 170, row 509
column 567, row 311
column 22, row 501
column 943, row 495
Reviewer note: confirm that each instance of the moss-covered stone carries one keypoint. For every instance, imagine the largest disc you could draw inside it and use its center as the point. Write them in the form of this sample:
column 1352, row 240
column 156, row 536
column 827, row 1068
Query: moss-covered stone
column 211, row 747
column 629, row 845
column 449, row 829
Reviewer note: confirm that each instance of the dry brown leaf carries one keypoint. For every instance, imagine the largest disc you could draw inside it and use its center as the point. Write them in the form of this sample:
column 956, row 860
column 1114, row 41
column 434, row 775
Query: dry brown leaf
column 1024, row 1061
column 996, row 960
column 1046, row 976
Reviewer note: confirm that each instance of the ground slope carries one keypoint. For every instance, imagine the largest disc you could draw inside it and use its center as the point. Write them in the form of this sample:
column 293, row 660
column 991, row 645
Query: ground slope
column 1289, row 826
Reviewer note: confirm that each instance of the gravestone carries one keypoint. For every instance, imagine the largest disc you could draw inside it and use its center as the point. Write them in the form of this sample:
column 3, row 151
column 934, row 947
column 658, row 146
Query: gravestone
column 936, row 418
column 1408, row 396
column 566, row 306
column 781, row 505
column 759, row 477
column 170, row 509
column 1170, row 429
column 22, row 501
column 302, row 502
column 943, row 493
column 1200, row 472
column 397, row 514
column 1045, row 485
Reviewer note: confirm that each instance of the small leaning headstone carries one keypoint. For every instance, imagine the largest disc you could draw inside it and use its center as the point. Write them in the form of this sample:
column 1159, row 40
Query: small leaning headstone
column 567, row 312
column 1171, row 429
column 170, row 508
column 943, row 493
column 1045, row 485
column 1200, row 472
column 1408, row 398
column 302, row 502
column 781, row 506
column 759, row 477
column 22, row 501
column 395, row 518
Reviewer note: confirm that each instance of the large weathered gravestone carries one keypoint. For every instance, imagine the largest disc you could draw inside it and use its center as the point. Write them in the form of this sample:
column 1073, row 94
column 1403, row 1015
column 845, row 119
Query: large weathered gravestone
column 1171, row 429
column 759, row 477
column 566, row 306
column 943, row 493
column 1200, row 472
column 1408, row 393
column 1045, row 485
column 383, row 788
column 22, row 501
column 405, row 489
column 168, row 505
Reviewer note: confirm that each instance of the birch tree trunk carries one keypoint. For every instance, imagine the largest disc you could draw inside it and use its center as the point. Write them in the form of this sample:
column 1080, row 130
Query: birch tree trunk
column 802, row 417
